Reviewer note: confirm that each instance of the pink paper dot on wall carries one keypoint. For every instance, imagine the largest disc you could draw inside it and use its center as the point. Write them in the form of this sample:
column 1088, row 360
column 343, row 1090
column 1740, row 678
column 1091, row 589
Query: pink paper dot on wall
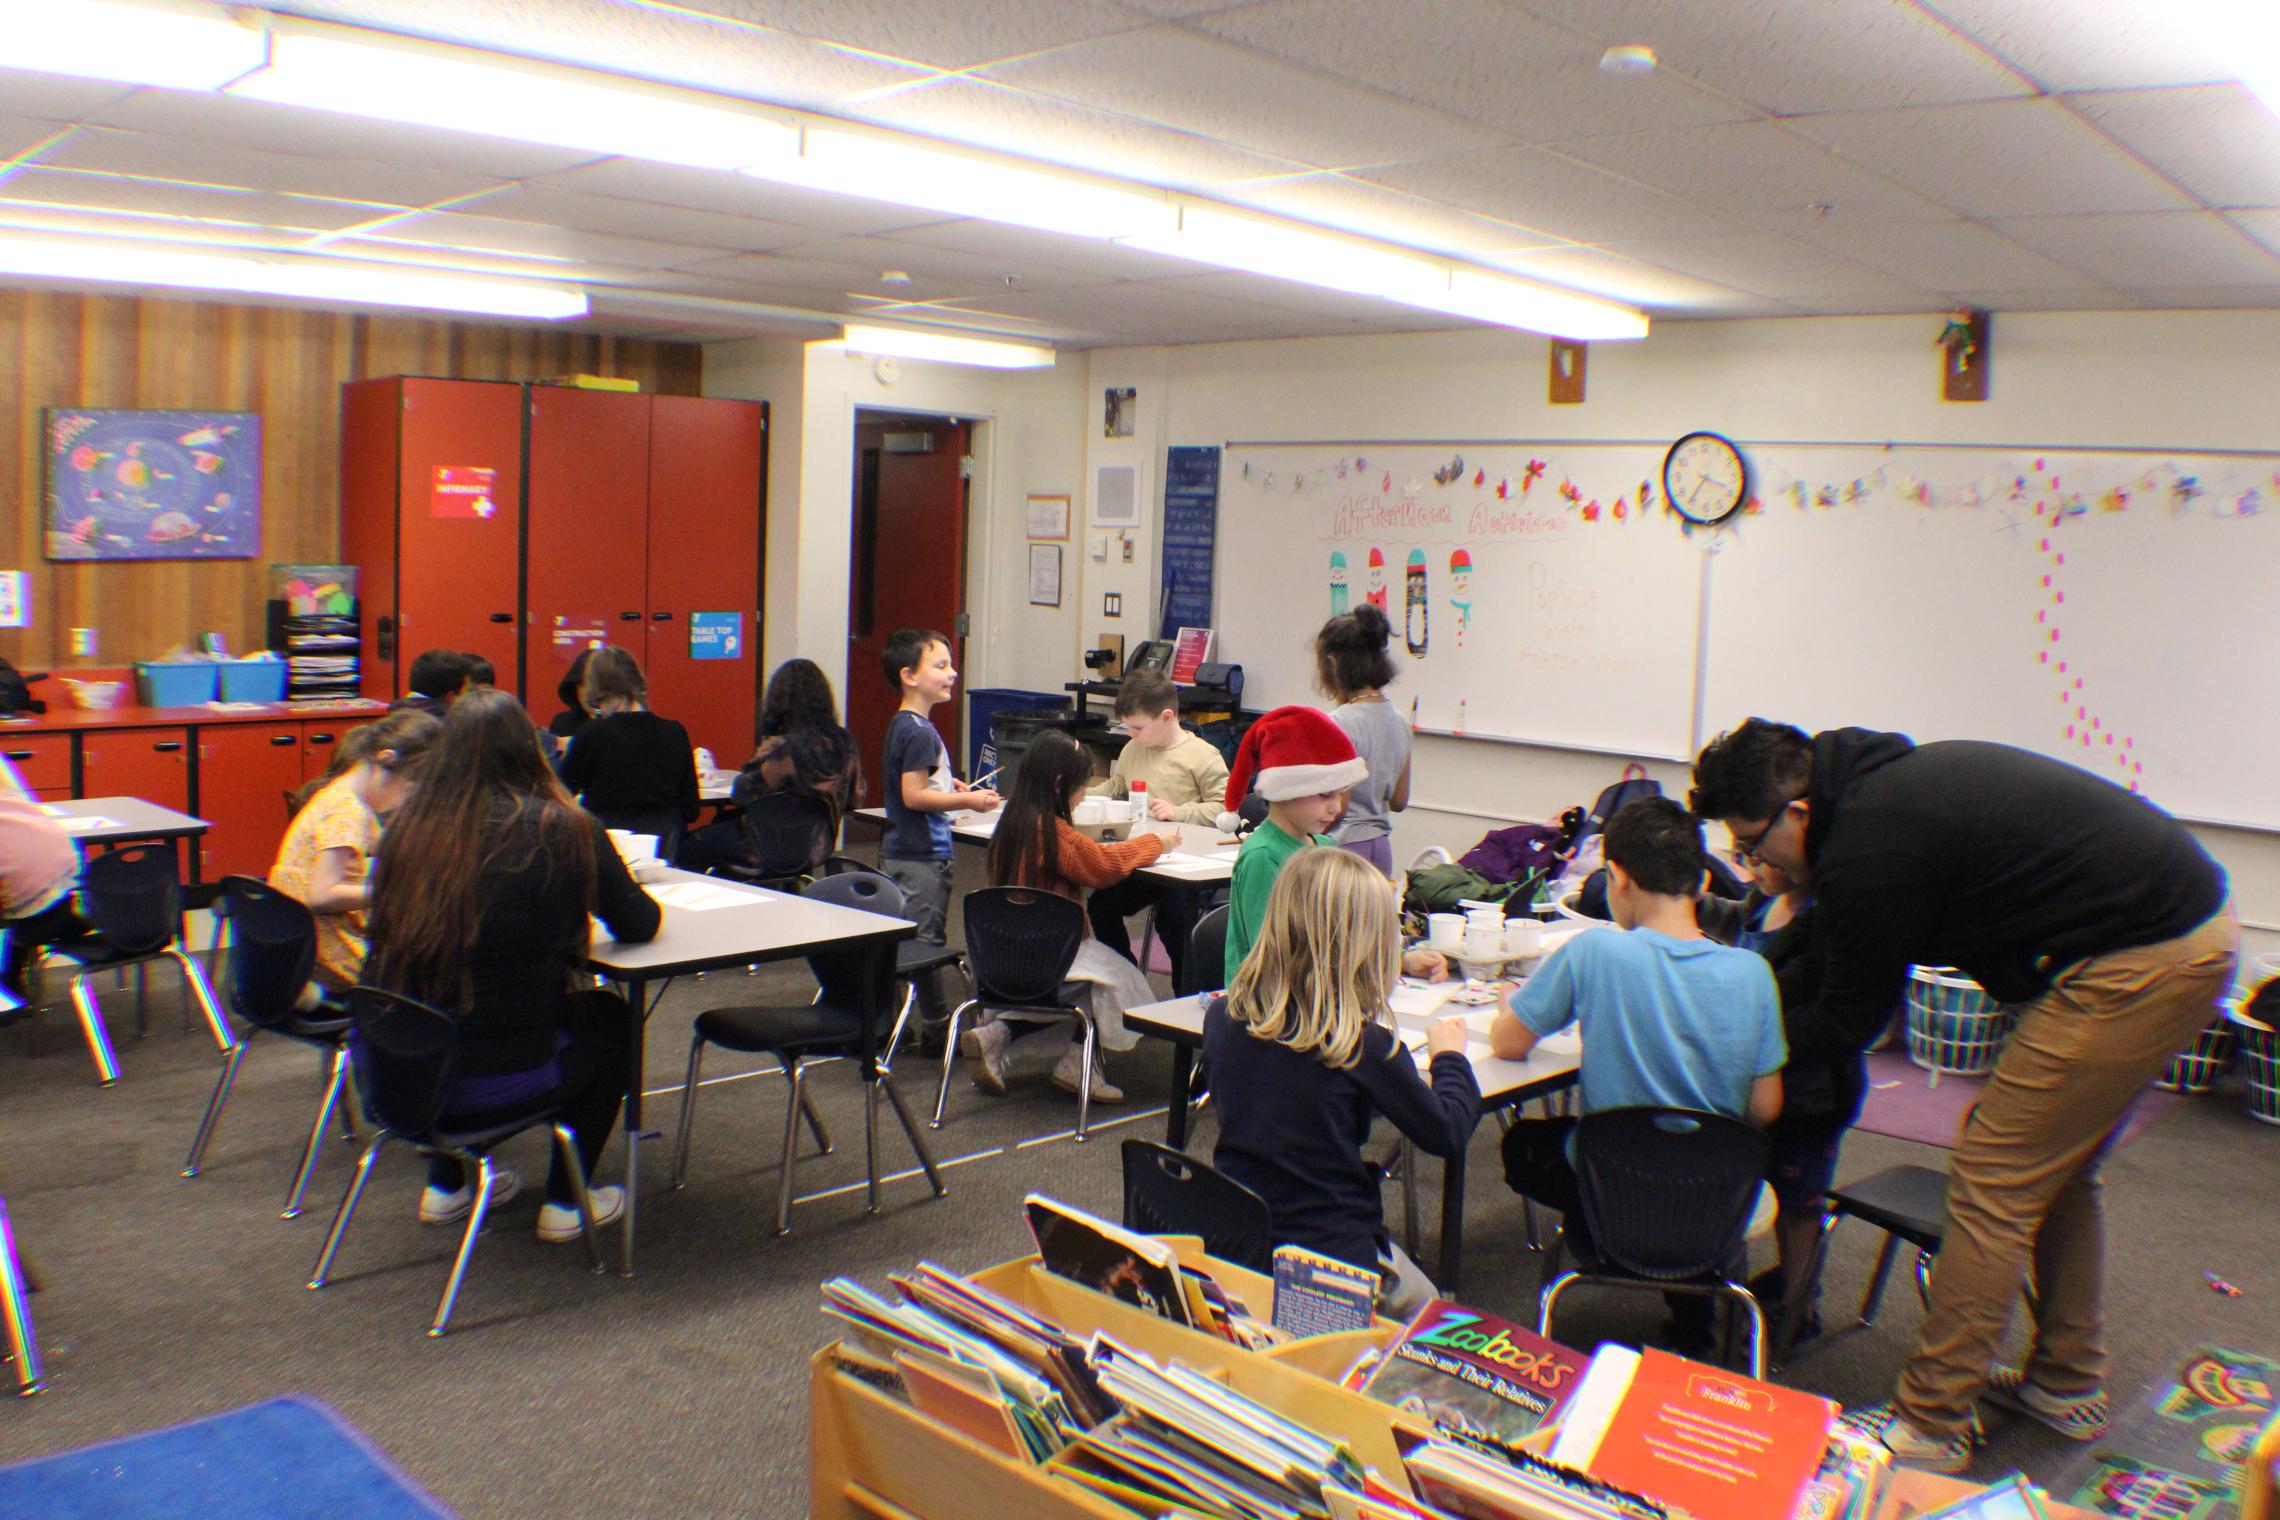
column 2058, row 597
column 2062, row 667
column 2040, row 613
column 2109, row 740
column 2044, row 546
column 2054, row 635
column 2077, row 681
column 2060, row 560
column 2118, row 760
column 2137, row 768
column 2129, row 744
column 2095, row 723
column 2082, row 712
column 2046, row 583
column 2043, row 655
column 2069, row 730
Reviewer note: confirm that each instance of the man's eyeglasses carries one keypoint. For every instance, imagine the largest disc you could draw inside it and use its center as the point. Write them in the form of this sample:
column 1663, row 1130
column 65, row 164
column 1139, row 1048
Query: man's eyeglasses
column 1749, row 851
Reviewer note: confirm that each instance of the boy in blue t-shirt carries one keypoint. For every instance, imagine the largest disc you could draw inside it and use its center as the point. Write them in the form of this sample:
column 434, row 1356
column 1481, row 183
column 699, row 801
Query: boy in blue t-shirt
column 921, row 793
column 1669, row 1017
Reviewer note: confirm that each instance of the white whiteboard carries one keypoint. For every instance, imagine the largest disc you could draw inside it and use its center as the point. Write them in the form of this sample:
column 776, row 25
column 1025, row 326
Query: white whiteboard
column 1576, row 624
column 2120, row 611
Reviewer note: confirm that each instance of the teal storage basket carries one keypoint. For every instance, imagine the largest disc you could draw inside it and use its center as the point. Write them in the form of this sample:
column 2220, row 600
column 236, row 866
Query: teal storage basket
column 253, row 680
column 166, row 685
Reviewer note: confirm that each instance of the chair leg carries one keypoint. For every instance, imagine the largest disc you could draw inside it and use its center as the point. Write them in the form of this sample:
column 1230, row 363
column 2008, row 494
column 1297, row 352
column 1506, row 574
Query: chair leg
column 871, row 1144
column 814, row 1122
column 1411, row 1225
column 202, row 991
column 336, row 1079
column 347, row 1210
column 1875, row 1295
column 688, row 1112
column 91, row 1025
column 214, row 1106
column 949, row 1062
column 1924, row 1279
column 886, row 1060
column 1795, row 1304
column 16, row 1312
column 797, row 1074
column 1548, row 1301
column 566, row 1144
column 917, row 1140
column 485, row 1175
column 1085, row 1077
column 1748, row 1304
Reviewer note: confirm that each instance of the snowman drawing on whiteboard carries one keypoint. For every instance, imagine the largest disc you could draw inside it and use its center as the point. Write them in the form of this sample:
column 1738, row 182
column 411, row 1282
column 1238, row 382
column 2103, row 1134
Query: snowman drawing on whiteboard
column 1460, row 591
column 1376, row 596
column 1337, row 581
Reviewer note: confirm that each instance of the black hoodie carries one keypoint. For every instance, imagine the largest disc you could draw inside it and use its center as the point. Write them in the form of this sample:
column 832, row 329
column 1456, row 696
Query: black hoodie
column 2002, row 862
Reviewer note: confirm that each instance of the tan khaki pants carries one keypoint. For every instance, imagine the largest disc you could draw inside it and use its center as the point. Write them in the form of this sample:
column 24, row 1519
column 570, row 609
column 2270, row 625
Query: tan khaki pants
column 2023, row 1189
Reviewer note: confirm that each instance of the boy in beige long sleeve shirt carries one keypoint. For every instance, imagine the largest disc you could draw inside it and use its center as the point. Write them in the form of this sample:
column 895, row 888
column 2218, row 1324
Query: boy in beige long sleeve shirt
column 1186, row 780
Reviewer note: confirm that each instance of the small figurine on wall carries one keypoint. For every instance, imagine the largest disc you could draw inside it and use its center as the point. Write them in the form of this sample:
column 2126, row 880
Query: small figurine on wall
column 1964, row 354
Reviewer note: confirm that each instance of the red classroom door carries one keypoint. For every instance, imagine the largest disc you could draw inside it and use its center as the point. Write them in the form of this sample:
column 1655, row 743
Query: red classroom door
column 705, row 472
column 589, row 530
column 908, row 569
column 460, row 520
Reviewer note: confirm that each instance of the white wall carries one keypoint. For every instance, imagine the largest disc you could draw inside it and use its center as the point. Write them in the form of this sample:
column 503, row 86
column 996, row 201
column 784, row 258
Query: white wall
column 1031, row 440
column 2202, row 380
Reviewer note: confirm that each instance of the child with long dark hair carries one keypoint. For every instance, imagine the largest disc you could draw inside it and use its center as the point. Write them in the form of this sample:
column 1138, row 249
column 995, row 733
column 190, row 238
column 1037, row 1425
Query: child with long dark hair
column 479, row 906
column 1353, row 668
column 803, row 748
column 1036, row 845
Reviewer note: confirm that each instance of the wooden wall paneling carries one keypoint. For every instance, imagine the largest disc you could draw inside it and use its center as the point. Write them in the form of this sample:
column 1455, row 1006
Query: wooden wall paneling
column 63, row 350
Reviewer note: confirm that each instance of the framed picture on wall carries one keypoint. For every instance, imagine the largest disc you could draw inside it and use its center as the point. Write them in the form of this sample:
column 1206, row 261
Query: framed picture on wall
column 1044, row 575
column 1049, row 518
column 152, row 485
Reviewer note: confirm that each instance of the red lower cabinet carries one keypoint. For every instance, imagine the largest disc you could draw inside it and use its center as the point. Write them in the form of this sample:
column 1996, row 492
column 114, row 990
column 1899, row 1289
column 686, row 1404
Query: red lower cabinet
column 245, row 771
column 150, row 763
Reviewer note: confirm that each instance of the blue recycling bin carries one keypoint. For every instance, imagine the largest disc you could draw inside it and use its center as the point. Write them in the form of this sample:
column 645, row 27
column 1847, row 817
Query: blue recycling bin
column 983, row 704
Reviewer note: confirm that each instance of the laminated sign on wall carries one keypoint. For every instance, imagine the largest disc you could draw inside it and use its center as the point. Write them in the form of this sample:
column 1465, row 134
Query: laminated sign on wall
column 716, row 635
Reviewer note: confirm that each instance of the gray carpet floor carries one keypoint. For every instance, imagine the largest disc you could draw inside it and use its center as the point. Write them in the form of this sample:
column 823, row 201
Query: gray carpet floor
column 681, row 1393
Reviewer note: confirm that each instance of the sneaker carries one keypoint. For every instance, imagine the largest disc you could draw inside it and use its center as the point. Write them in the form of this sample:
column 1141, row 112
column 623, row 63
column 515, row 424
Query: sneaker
column 985, row 1047
column 558, row 1222
column 1071, row 1071
column 440, row 1207
column 1909, row 1446
column 2081, row 1417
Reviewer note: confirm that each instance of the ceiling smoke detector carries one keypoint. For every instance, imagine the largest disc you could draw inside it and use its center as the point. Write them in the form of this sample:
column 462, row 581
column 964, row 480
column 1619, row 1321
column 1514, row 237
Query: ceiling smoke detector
column 898, row 278
column 1627, row 60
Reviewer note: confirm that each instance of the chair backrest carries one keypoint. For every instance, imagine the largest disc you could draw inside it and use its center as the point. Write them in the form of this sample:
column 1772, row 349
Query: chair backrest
column 1020, row 943
column 407, row 1059
column 1666, row 1191
column 133, row 896
column 1169, row 1192
column 273, row 948
column 787, row 832
column 840, row 976
column 1205, row 969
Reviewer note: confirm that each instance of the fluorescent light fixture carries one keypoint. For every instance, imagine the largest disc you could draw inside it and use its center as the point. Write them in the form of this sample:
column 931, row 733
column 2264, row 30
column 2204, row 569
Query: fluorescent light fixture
column 335, row 281
column 182, row 47
column 942, row 348
column 965, row 184
column 465, row 91
column 2242, row 38
column 1283, row 251
column 1534, row 308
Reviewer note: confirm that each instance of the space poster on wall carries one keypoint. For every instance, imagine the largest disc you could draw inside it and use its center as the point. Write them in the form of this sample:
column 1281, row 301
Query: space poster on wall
column 153, row 485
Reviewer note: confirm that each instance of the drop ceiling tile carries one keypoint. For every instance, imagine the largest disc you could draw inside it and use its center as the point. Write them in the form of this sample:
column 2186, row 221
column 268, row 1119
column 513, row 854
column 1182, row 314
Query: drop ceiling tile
column 1948, row 257
column 1010, row 120
column 1134, row 306
column 492, row 235
column 1485, row 62
column 1198, row 84
column 2150, row 248
column 20, row 135
column 53, row 98
column 837, row 277
column 152, row 156
column 1548, row 198
column 259, row 210
column 2219, row 140
column 944, row 36
column 739, row 195
column 1758, row 171
column 1280, row 296
column 98, row 222
column 2003, row 158
column 2000, row 301
column 266, row 126
column 1764, row 264
column 1021, row 246
column 1622, row 278
column 549, row 206
column 2222, row 298
column 1790, row 57
column 2089, row 44
column 721, row 45
column 1372, row 210
column 1034, row 270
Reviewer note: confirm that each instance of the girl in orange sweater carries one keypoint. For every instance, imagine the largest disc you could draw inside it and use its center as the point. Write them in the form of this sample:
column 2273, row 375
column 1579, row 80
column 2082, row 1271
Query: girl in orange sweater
column 1037, row 846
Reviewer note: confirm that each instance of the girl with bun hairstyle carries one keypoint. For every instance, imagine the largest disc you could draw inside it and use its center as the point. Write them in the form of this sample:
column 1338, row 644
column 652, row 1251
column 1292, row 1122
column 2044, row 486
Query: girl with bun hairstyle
column 1352, row 666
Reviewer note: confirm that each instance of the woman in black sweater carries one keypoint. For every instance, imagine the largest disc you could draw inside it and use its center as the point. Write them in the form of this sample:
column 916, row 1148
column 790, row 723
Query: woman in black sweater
column 479, row 906
column 629, row 767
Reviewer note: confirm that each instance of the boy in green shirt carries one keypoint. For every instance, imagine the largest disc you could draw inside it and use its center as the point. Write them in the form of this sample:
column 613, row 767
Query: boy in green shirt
column 1302, row 763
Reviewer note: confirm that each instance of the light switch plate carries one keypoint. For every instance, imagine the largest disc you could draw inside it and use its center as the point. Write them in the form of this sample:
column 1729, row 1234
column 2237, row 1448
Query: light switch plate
column 83, row 642
column 1112, row 604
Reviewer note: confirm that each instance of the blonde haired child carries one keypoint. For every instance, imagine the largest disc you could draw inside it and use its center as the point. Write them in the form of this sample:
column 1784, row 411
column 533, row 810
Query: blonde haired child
column 1303, row 1055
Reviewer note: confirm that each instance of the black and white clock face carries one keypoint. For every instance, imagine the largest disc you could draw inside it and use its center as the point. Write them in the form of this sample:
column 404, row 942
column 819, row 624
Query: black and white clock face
column 1704, row 477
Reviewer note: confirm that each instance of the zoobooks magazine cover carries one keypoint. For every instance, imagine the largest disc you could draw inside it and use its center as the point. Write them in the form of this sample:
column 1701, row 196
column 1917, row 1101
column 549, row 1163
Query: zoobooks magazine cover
column 1468, row 1371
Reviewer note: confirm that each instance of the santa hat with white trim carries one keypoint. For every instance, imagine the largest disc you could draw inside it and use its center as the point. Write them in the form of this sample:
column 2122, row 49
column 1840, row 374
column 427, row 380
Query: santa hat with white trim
column 1292, row 752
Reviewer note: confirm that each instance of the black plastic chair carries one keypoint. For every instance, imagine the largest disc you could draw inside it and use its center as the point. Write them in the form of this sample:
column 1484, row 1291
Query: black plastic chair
column 1206, row 968
column 1666, row 1194
column 272, row 942
column 406, row 1071
column 1020, row 943
column 1908, row 1203
column 788, row 834
column 133, row 897
column 1169, row 1192
column 842, row 1021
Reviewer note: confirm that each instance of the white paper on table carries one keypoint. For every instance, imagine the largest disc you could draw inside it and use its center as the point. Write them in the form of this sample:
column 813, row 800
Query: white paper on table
column 82, row 825
column 1420, row 1002
column 700, row 897
column 54, row 809
column 1188, row 864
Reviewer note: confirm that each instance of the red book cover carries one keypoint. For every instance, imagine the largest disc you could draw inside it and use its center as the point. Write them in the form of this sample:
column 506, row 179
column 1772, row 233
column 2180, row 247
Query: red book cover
column 1716, row 1444
column 1188, row 655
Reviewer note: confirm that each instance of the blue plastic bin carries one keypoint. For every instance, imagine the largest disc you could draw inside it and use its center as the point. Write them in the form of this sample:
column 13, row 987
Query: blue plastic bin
column 253, row 680
column 983, row 704
column 166, row 685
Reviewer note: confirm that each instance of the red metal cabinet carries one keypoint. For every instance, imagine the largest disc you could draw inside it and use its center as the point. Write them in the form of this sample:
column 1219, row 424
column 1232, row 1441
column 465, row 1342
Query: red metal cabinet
column 41, row 761
column 589, row 524
column 320, row 741
column 150, row 763
column 245, row 771
column 704, row 493
column 431, row 514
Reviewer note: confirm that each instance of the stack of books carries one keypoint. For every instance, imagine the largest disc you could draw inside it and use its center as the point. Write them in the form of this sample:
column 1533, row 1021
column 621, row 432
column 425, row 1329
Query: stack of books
column 1140, row 1270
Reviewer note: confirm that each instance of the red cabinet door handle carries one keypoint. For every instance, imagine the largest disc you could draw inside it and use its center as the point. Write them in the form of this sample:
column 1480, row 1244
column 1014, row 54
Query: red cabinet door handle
column 281, row 740
column 171, row 746
column 23, row 754
column 320, row 738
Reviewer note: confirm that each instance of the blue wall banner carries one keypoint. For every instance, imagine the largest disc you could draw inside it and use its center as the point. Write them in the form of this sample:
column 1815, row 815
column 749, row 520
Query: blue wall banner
column 1191, row 533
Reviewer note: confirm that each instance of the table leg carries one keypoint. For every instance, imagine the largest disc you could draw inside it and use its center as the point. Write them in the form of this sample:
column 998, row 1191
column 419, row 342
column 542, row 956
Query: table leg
column 1450, row 1264
column 637, row 999
column 1183, row 1077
